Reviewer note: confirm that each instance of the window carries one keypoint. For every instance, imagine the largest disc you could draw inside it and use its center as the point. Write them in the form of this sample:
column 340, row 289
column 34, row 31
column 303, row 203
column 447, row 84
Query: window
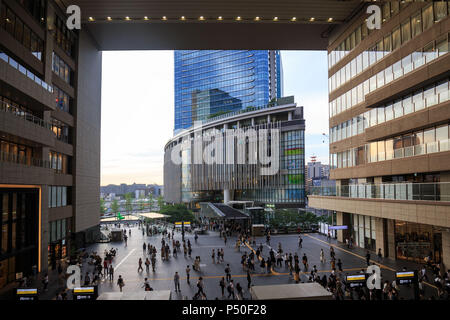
column 406, row 31
column 373, row 117
column 442, row 91
column 394, row 8
column 381, row 151
column 398, row 70
column 358, row 35
column 408, row 146
column 416, row 22
column 407, row 105
column 373, row 151
column 389, row 149
column 430, row 141
column 398, row 109
column 418, row 100
column 407, row 64
column 440, row 10
column 429, row 96
column 380, row 52
column 442, row 46
column 387, row 44
column 419, row 147
column 389, row 112
column 380, row 115
column 386, row 10
column 442, row 137
column 427, row 17
column 388, row 74
column 380, row 79
column 398, row 147
column 429, row 52
column 373, row 83
column 372, row 55
column 396, row 38
column 418, row 59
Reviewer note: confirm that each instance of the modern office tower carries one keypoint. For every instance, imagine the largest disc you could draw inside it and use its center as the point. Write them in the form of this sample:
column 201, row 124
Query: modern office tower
column 49, row 137
column 191, row 181
column 213, row 82
column 389, row 114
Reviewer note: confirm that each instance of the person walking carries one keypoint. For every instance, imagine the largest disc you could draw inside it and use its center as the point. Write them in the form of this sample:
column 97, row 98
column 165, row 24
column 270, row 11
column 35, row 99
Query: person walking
column 176, row 280
column 200, row 288
column 147, row 265
column 140, row 265
column 339, row 264
column 120, row 283
column 228, row 272
column 305, row 261
column 249, row 279
column 368, row 258
column 213, row 256
column 222, row 286
column 239, row 291
column 230, row 289
column 188, row 275
column 144, row 247
column 380, row 255
column 322, row 256
column 111, row 273
column 263, row 265
column 300, row 241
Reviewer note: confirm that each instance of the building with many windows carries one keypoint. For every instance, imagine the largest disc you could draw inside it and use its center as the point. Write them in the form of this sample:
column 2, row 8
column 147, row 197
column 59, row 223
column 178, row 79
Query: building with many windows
column 389, row 112
column 192, row 182
column 212, row 82
column 49, row 137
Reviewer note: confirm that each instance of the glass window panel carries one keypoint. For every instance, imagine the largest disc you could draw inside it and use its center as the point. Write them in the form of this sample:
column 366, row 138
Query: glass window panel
column 418, row 59
column 381, row 151
column 396, row 38
column 419, row 146
column 358, row 35
column 395, row 8
column 354, row 97
column 389, row 112
column 389, row 145
column 354, row 126
column 398, row 147
column 406, row 31
column 359, row 64
column 373, row 151
column 58, row 230
column 54, row 200
column 416, row 22
column 430, row 141
column 373, row 117
column 372, row 55
column 442, row 137
column 359, row 93
column 440, row 10
column 407, row 64
column 398, row 70
column 408, row 145
column 380, row 115
column 387, row 44
column 442, row 46
column 365, row 60
column 388, row 74
column 380, row 79
column 380, row 52
column 353, row 68
column 427, row 17
column 418, row 101
column 58, row 197
column 407, row 104
column 430, row 97
column 386, row 9
column 429, row 52
column 442, row 91
column 398, row 109
column 373, row 83
column 347, row 72
column 366, row 119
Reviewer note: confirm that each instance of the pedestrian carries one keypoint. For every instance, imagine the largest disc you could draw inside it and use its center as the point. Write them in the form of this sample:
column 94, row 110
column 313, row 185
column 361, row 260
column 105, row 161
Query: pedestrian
column 263, row 265
column 249, row 279
column 111, row 272
column 45, row 282
column 188, row 271
column 305, row 261
column 87, row 279
column 222, row 286
column 368, row 258
column 339, row 264
column 140, row 265
column 200, row 288
column 228, row 273
column 213, row 256
column 322, row 256
column 239, row 291
column 189, row 251
column 300, row 241
column 120, row 283
column 144, row 247
column 230, row 289
column 380, row 255
column 176, row 280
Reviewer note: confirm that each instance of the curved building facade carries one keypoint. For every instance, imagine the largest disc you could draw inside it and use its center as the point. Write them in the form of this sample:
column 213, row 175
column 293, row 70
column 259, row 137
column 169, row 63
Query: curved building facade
column 252, row 155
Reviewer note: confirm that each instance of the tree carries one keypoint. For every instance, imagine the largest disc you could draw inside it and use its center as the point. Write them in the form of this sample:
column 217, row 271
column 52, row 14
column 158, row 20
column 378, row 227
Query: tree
column 115, row 207
column 150, row 201
column 177, row 212
column 141, row 203
column 128, row 202
column 102, row 206
column 160, row 202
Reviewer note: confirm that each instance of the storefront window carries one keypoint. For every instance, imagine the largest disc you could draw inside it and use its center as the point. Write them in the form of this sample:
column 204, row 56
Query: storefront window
column 414, row 241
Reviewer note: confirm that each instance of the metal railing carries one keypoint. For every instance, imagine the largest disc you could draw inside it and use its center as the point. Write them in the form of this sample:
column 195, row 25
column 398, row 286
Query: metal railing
column 9, row 108
column 435, row 191
column 13, row 63
column 27, row 161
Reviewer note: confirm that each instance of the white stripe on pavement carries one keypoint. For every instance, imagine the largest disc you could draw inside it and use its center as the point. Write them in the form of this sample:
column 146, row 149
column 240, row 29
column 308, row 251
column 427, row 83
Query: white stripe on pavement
column 118, row 265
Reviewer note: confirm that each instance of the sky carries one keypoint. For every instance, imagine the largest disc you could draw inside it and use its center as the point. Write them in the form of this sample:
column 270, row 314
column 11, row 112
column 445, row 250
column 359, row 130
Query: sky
column 138, row 110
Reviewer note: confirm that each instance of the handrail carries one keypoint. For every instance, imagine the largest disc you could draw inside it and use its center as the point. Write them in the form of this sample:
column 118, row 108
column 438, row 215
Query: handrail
column 28, row 161
column 9, row 108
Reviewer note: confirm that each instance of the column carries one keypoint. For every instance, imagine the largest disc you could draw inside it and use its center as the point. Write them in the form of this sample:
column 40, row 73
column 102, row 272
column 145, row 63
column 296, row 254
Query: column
column 446, row 249
column 290, row 116
column 268, row 118
column 380, row 242
column 253, row 122
column 343, row 219
column 226, row 196
column 390, row 237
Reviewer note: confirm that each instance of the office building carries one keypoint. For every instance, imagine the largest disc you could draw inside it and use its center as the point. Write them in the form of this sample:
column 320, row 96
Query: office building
column 191, row 183
column 49, row 138
column 389, row 114
column 213, row 82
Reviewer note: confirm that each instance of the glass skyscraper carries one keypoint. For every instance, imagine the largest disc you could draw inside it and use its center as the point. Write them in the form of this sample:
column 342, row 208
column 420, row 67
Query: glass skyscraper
column 212, row 82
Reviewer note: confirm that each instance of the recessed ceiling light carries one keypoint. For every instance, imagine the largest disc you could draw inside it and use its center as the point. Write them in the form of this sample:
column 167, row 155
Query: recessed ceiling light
column 312, row 19
column 220, row 18
column 109, row 18
column 330, row 19
column 238, row 18
column 164, row 18
column 257, row 18
column 275, row 19
column 127, row 18
column 183, row 18
column 91, row 19
column 294, row 19
column 145, row 18
column 201, row 18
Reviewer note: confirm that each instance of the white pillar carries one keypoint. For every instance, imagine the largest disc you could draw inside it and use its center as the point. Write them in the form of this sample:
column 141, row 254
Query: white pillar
column 226, row 196
column 268, row 118
column 253, row 122
column 290, row 116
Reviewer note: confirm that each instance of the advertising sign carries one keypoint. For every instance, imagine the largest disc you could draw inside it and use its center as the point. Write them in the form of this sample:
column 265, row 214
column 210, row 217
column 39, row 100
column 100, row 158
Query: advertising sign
column 406, row 277
column 358, row 280
column 85, row 293
column 29, row 294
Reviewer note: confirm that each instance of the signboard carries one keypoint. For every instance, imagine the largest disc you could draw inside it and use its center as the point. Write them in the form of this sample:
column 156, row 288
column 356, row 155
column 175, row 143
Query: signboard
column 337, row 227
column 179, row 224
column 85, row 293
column 27, row 294
column 406, row 277
column 358, row 280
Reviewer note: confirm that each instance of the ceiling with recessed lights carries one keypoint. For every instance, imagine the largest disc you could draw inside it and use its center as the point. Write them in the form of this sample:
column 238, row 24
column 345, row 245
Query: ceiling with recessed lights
column 209, row 24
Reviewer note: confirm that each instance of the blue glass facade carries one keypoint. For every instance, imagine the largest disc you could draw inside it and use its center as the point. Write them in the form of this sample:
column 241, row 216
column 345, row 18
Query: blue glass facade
column 211, row 82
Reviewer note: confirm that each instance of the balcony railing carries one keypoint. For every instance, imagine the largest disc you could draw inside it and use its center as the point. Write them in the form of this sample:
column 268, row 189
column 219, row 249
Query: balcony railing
column 438, row 191
column 6, row 107
column 13, row 63
column 27, row 161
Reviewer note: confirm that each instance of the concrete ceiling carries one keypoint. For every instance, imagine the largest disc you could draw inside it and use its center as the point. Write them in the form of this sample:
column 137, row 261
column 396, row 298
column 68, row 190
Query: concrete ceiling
column 146, row 28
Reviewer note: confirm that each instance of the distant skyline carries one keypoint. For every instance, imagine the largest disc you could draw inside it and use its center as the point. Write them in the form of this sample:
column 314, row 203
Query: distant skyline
column 138, row 110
